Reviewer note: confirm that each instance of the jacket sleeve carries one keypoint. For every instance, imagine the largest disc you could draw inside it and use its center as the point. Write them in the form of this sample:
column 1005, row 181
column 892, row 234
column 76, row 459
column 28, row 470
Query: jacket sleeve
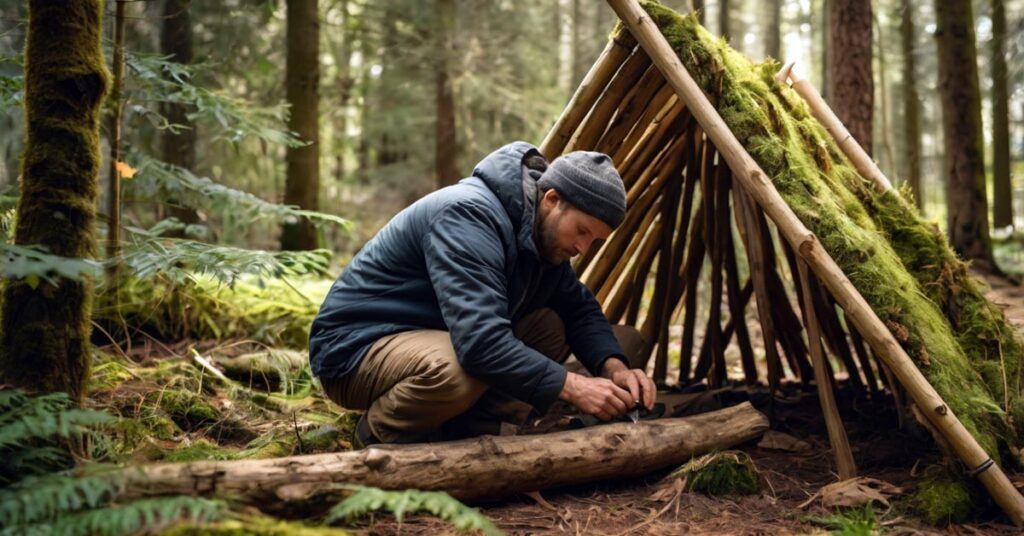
column 465, row 260
column 587, row 330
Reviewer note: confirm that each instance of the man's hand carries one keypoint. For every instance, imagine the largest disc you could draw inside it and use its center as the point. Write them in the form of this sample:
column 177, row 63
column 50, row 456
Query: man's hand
column 639, row 385
column 599, row 397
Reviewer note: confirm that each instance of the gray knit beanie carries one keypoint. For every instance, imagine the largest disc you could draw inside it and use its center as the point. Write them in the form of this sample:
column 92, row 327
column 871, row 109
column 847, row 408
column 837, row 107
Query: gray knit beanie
column 588, row 180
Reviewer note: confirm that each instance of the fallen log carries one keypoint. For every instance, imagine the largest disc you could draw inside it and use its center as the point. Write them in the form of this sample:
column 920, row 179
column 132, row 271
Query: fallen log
column 487, row 467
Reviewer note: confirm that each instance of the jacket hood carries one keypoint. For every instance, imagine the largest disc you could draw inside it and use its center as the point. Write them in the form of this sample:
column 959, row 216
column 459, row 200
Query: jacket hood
column 506, row 173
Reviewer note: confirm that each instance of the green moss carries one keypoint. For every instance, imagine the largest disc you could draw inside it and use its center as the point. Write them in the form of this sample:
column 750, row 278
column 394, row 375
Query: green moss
column 721, row 473
column 201, row 449
column 188, row 410
column 901, row 265
column 254, row 526
column 941, row 497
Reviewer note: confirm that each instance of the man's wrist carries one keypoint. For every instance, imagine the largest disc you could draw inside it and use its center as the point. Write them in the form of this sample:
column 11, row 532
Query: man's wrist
column 611, row 366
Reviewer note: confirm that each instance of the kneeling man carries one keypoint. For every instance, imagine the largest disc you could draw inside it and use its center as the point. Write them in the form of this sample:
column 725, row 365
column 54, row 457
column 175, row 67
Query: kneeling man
column 461, row 311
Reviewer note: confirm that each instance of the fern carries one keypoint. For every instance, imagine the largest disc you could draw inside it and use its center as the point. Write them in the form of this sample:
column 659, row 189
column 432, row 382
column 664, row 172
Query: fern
column 160, row 180
column 45, row 497
column 35, row 263
column 143, row 515
column 365, row 500
column 181, row 260
column 37, row 499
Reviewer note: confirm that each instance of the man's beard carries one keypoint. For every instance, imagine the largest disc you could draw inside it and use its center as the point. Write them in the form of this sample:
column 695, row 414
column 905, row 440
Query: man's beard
column 549, row 250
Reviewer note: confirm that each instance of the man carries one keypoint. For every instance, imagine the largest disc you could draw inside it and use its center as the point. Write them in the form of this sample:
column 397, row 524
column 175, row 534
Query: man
column 459, row 313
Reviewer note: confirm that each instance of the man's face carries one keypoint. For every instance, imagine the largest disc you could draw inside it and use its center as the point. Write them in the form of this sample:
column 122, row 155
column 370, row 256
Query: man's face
column 565, row 231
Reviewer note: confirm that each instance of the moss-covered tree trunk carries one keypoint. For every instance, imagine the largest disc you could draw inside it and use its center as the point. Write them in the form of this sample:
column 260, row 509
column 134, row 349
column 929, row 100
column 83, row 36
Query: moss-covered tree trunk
column 967, row 213
column 446, row 148
column 44, row 344
column 302, row 78
column 911, row 104
column 1002, row 191
column 851, row 87
column 179, row 148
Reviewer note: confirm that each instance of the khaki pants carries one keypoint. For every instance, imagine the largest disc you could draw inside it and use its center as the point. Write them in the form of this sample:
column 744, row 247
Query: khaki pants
column 412, row 385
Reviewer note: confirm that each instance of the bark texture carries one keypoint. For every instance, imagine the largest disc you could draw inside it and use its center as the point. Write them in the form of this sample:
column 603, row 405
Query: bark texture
column 1002, row 190
column 773, row 29
column 967, row 206
column 488, row 467
column 45, row 328
column 851, row 87
column 179, row 148
column 446, row 148
column 302, row 79
column 911, row 104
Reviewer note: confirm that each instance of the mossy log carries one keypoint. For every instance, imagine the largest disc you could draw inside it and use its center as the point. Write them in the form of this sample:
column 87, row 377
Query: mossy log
column 488, row 467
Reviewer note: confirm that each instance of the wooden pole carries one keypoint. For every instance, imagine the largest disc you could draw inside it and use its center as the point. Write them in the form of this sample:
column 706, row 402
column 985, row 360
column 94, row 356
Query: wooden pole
column 824, row 114
column 807, row 246
column 613, row 56
column 620, row 85
column 823, row 379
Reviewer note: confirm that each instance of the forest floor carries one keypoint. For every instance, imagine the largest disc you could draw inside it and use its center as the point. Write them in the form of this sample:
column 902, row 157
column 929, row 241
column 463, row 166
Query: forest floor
column 178, row 410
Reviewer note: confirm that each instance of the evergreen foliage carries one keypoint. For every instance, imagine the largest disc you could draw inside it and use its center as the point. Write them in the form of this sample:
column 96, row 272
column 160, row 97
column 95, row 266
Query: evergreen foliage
column 365, row 500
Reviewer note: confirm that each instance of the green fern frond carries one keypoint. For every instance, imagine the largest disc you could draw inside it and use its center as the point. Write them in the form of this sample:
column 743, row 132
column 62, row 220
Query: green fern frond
column 399, row 503
column 25, row 418
column 182, row 260
column 161, row 180
column 144, row 515
column 35, row 263
column 155, row 79
column 41, row 498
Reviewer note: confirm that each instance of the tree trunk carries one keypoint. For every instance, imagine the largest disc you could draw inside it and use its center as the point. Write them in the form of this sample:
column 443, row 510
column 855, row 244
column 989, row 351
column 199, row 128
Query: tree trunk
column 113, row 268
column 302, row 76
column 179, row 148
column 487, row 467
column 344, row 81
column 826, row 69
column 698, row 6
column 851, row 87
column 1002, row 190
column 446, row 148
column 967, row 213
column 44, row 334
column 723, row 19
column 773, row 29
column 911, row 104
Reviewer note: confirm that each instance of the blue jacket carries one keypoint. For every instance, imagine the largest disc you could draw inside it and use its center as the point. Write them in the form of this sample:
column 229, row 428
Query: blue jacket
column 463, row 259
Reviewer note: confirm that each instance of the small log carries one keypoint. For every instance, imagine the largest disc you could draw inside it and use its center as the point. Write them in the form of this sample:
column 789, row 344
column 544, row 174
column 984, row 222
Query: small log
column 824, row 114
column 597, row 120
column 487, row 467
column 614, row 141
column 630, row 110
column 754, row 180
column 822, row 377
column 616, row 305
column 738, row 305
column 614, row 55
column 663, row 107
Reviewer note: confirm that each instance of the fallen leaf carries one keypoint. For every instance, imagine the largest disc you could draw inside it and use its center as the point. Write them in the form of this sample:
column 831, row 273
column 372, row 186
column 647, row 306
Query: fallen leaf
column 780, row 441
column 124, row 170
column 857, row 492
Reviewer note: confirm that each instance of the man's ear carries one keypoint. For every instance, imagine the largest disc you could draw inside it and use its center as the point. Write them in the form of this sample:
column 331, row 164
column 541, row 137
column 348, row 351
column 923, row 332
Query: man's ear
column 551, row 197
